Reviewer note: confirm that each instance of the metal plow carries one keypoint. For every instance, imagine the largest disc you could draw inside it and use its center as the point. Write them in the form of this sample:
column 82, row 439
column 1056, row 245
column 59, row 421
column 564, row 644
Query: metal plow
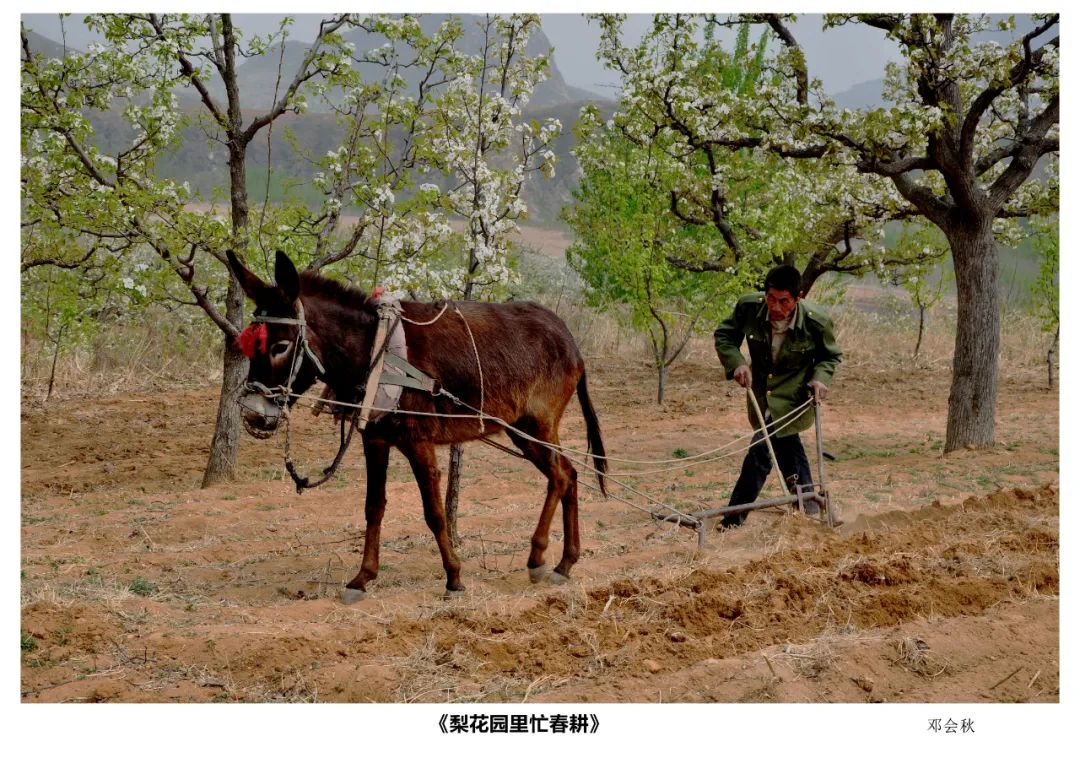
column 703, row 521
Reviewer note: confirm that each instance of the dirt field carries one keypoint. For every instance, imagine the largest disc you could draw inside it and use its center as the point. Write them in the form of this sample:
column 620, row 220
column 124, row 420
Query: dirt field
column 942, row 585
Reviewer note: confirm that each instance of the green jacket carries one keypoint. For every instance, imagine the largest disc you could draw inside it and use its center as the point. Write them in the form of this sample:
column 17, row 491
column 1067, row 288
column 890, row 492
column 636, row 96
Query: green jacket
column 809, row 352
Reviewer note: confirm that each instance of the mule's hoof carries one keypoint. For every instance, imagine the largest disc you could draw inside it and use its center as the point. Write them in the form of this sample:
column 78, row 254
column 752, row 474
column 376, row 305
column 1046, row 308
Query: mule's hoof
column 538, row 573
column 350, row 596
column 556, row 578
column 451, row 594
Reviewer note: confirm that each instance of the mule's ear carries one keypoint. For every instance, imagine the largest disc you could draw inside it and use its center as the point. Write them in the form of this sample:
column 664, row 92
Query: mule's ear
column 252, row 285
column 287, row 278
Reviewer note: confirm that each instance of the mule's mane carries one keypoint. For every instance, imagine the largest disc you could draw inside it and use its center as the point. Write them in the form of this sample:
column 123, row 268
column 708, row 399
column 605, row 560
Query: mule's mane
column 346, row 295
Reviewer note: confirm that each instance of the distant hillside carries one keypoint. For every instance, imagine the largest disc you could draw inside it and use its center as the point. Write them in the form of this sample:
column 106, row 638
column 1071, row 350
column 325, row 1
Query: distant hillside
column 201, row 163
column 865, row 95
column 546, row 197
column 43, row 46
column 316, row 132
column 260, row 78
column 552, row 91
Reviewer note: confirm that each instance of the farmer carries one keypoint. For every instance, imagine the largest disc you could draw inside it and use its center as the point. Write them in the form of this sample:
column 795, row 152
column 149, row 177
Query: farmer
column 792, row 352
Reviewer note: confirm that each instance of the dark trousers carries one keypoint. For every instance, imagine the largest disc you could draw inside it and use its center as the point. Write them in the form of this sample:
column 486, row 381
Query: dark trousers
column 756, row 467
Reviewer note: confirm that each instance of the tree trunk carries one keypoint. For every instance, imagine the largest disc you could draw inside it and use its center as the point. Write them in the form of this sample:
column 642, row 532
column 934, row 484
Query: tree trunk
column 453, row 489
column 55, row 358
column 1051, row 354
column 457, row 450
column 973, row 396
column 221, row 465
column 661, row 382
column 922, row 326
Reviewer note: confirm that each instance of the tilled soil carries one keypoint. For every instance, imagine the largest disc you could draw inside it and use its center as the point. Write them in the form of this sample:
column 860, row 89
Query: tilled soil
column 941, row 585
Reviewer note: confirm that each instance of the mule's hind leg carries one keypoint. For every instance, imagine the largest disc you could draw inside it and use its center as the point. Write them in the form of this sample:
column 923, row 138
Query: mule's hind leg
column 376, row 458
column 561, row 480
column 571, row 535
column 425, row 468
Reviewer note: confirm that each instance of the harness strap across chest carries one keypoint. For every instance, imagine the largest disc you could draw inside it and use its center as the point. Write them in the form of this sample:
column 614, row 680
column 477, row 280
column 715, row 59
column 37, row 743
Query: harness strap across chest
column 390, row 370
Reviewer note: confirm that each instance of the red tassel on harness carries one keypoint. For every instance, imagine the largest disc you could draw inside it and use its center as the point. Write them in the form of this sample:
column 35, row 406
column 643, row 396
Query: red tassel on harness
column 252, row 340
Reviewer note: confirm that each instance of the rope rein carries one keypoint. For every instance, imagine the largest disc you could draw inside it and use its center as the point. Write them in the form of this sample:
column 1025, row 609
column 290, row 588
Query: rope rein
column 302, row 348
column 303, row 482
column 782, row 423
column 582, row 458
column 427, row 323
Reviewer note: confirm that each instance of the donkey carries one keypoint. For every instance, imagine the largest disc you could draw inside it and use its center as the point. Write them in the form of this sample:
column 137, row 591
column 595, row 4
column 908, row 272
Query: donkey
column 529, row 367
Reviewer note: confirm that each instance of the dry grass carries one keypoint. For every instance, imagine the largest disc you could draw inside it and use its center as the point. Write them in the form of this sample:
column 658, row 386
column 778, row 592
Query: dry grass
column 810, row 661
column 881, row 340
column 109, row 593
column 820, row 655
column 431, row 673
column 913, row 654
column 875, row 332
column 152, row 354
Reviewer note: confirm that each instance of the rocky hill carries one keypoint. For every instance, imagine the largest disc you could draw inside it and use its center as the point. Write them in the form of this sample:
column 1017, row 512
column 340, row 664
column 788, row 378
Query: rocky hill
column 198, row 161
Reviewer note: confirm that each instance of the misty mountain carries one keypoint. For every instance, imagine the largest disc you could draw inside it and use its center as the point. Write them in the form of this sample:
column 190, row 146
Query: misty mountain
column 553, row 91
column 44, row 46
column 866, row 95
column 265, row 76
column 199, row 161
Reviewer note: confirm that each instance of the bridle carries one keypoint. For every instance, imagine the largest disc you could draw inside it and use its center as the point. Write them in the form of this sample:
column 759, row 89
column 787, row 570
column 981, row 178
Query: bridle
column 280, row 395
column 301, row 347
column 389, row 318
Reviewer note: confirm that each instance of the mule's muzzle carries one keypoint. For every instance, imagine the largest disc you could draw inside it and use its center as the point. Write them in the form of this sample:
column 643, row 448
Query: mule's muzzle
column 261, row 410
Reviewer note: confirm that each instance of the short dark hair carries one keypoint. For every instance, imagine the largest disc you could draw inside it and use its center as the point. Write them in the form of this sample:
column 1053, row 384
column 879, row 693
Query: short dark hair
column 785, row 278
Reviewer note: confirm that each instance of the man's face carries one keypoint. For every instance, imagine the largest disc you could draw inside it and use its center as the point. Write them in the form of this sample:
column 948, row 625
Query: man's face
column 780, row 303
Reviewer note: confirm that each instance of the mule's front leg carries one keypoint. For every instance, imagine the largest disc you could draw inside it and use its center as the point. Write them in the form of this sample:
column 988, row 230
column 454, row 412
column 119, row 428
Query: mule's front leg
column 425, row 468
column 376, row 457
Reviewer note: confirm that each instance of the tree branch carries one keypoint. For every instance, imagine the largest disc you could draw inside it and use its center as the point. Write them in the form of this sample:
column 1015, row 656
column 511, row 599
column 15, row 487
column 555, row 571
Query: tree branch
column 35, row 262
column 699, row 268
column 868, row 164
column 1017, row 75
column 190, row 72
column 677, row 351
column 884, row 21
column 802, row 78
column 922, row 198
column 1027, row 153
column 304, row 73
column 346, row 250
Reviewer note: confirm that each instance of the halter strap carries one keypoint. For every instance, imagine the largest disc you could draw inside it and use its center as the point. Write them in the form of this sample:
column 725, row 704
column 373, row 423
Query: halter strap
column 302, row 338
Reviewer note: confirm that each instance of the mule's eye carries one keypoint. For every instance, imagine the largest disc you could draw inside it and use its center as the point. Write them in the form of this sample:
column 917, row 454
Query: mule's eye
column 280, row 348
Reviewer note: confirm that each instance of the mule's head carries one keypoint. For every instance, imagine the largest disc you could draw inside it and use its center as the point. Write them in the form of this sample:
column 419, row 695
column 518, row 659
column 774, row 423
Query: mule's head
column 273, row 345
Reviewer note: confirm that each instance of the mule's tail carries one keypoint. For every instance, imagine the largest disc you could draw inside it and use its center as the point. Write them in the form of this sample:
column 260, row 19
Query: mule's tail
column 592, row 426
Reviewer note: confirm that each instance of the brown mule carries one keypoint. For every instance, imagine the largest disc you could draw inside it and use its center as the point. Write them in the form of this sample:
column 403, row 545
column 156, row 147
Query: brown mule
column 531, row 368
